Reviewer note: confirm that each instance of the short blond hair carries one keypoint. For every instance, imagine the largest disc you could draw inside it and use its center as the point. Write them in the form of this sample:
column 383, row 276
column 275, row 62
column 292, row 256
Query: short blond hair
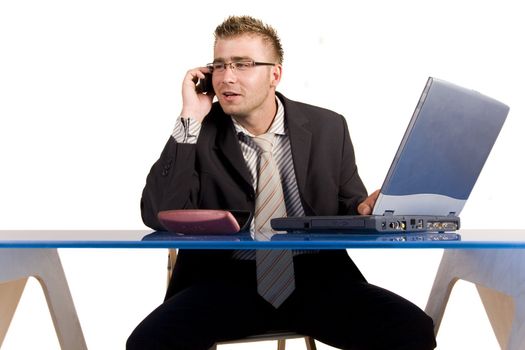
column 239, row 25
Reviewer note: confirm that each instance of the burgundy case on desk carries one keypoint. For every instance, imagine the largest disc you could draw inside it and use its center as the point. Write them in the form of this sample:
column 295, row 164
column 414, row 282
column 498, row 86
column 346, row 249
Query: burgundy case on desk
column 203, row 221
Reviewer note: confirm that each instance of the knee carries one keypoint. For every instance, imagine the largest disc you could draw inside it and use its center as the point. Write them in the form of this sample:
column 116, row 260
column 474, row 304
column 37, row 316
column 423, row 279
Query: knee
column 145, row 337
column 423, row 338
column 415, row 331
column 139, row 341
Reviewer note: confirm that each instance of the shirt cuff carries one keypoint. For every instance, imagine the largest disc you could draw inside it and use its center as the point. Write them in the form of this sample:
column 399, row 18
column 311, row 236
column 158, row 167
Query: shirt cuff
column 186, row 130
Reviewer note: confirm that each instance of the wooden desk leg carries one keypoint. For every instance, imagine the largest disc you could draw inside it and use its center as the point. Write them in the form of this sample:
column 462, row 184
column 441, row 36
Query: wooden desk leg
column 501, row 311
column 499, row 276
column 440, row 293
column 44, row 264
column 517, row 333
column 10, row 293
column 506, row 315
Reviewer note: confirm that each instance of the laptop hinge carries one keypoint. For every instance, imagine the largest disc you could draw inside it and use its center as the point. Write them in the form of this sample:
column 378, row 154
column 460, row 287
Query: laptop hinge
column 452, row 213
column 388, row 213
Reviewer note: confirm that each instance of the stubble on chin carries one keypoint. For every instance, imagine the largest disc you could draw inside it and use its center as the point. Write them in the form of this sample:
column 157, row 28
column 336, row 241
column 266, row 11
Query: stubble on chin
column 234, row 111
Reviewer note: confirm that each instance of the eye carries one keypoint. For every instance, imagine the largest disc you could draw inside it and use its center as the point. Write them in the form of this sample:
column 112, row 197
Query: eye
column 242, row 65
column 218, row 66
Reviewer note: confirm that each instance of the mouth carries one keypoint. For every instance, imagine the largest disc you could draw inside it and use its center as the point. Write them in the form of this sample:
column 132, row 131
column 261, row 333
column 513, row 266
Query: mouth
column 230, row 95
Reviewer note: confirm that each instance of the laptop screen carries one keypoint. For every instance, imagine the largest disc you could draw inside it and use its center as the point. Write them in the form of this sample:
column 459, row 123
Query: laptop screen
column 441, row 155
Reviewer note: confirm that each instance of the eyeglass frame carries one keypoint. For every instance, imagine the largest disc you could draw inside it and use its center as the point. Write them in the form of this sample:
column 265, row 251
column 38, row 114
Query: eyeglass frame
column 232, row 65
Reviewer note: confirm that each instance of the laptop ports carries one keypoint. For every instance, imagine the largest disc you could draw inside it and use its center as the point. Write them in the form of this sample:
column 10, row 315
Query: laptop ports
column 398, row 225
column 442, row 225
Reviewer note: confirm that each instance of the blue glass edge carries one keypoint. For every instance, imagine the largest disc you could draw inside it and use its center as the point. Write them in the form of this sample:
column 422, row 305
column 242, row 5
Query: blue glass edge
column 346, row 244
column 167, row 240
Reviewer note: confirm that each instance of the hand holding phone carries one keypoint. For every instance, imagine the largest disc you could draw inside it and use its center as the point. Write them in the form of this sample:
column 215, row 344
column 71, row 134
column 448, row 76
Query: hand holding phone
column 196, row 103
column 205, row 85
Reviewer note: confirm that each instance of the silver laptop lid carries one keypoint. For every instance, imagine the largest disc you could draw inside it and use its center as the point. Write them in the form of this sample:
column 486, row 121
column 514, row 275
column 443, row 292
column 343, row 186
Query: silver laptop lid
column 442, row 152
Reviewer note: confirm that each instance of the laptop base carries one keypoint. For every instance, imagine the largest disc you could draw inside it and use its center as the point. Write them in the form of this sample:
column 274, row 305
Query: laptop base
column 378, row 237
column 367, row 223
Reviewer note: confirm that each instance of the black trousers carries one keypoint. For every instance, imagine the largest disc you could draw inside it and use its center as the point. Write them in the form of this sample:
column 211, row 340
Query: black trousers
column 329, row 304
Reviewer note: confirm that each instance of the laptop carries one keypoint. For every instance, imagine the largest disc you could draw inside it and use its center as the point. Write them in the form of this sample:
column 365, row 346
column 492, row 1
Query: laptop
column 443, row 150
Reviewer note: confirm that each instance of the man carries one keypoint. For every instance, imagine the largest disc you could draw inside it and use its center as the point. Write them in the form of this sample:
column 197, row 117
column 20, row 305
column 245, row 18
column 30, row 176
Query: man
column 211, row 162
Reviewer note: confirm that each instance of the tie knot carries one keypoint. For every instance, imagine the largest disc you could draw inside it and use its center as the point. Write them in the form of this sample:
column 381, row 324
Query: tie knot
column 264, row 141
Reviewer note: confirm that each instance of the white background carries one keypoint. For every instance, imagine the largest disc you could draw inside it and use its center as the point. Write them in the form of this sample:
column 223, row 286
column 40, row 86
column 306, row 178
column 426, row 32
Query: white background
column 89, row 91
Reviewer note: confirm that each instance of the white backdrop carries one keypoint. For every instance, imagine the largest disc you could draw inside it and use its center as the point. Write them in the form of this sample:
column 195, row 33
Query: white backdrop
column 89, row 91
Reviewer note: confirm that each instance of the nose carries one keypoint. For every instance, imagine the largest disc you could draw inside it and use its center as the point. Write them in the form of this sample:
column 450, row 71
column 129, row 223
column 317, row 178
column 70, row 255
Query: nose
column 229, row 76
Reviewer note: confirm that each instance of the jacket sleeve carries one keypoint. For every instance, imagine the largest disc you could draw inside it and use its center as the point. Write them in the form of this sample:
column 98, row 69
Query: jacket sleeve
column 172, row 182
column 352, row 191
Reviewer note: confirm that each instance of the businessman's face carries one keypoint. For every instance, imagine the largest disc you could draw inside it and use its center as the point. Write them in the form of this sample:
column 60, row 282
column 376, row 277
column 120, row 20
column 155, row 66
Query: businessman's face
column 244, row 90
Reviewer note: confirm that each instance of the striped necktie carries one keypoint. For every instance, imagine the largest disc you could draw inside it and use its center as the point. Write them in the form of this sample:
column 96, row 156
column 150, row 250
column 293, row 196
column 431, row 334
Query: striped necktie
column 275, row 272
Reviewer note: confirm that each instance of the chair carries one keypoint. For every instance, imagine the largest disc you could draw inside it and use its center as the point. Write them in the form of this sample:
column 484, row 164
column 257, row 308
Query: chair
column 280, row 336
column 500, row 281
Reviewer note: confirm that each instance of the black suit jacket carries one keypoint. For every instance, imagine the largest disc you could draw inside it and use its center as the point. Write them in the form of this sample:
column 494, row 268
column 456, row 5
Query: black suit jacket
column 212, row 174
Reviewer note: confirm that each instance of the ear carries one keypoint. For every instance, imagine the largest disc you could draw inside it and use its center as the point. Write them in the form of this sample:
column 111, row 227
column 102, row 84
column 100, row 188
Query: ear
column 277, row 72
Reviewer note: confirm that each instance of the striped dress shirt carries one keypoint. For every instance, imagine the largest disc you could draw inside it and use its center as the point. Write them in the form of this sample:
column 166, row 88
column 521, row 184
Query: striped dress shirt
column 187, row 131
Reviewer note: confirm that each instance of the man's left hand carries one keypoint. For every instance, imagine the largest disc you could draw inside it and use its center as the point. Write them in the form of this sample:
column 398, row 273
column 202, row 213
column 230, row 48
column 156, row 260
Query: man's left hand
column 366, row 206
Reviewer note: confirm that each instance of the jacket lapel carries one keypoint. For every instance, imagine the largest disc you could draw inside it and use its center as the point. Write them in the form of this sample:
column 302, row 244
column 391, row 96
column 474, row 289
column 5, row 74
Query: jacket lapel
column 300, row 141
column 227, row 146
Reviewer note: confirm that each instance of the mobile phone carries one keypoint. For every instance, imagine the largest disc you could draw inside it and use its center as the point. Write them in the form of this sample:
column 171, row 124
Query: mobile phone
column 205, row 85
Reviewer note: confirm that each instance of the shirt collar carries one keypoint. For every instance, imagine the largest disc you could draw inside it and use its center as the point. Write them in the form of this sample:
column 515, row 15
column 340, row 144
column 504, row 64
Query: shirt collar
column 277, row 126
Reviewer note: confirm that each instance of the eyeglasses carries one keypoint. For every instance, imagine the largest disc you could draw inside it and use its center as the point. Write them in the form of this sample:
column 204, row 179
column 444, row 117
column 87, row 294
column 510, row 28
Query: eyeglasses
column 241, row 65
